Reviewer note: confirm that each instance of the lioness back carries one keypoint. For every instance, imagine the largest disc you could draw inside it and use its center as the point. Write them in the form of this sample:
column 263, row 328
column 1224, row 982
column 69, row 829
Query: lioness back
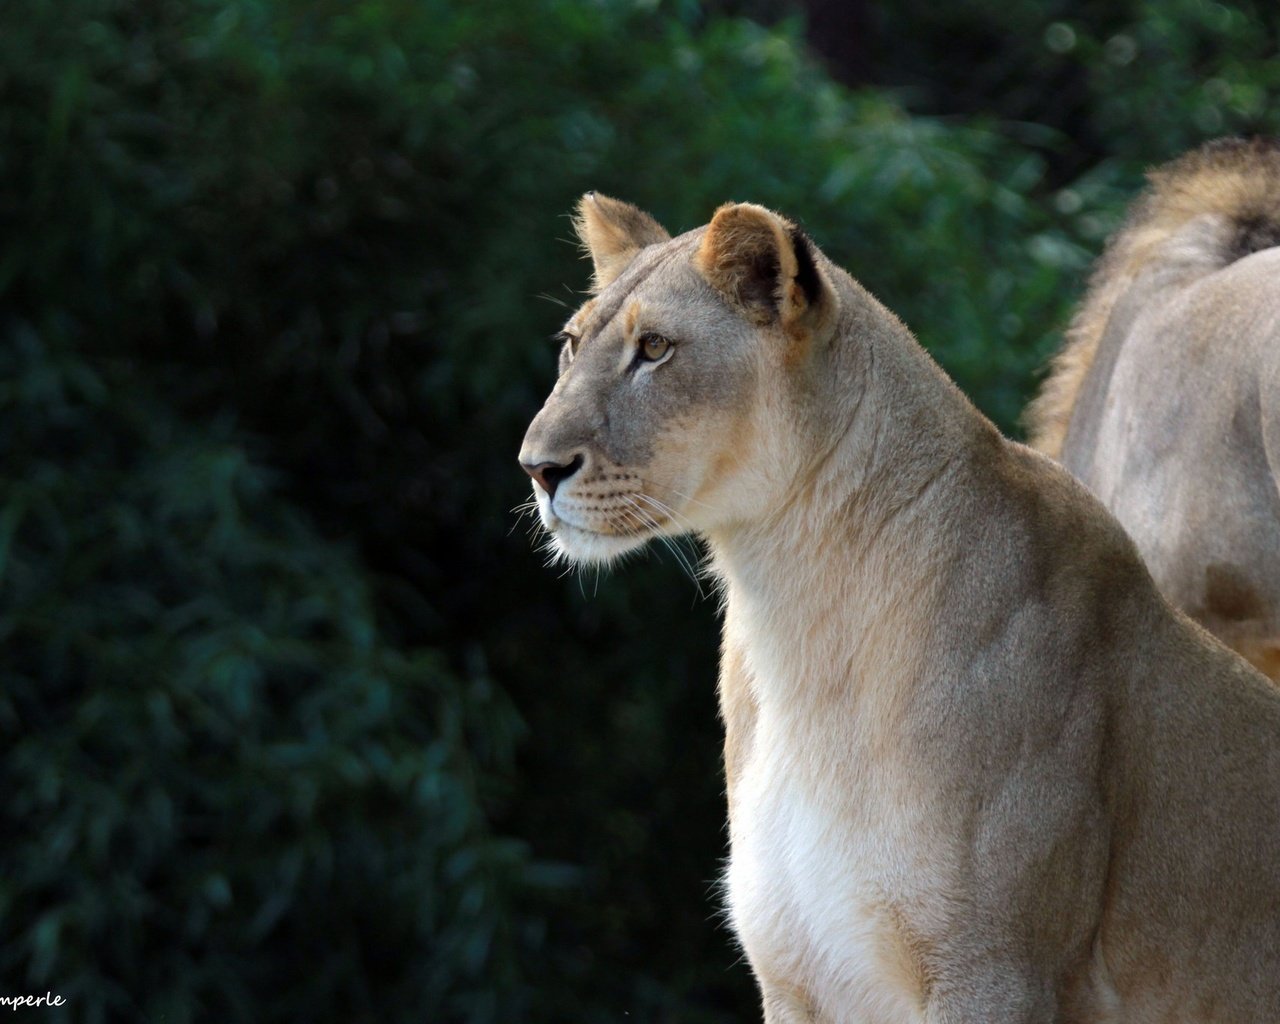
column 1166, row 398
column 978, row 769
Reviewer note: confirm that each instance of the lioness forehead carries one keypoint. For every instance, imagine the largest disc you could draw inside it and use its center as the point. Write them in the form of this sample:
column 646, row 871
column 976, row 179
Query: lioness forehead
column 658, row 271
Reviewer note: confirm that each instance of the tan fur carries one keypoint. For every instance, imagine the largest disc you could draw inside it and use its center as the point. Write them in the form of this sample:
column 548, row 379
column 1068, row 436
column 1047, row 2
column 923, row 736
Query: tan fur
column 978, row 770
column 738, row 710
column 741, row 240
column 613, row 233
column 1160, row 401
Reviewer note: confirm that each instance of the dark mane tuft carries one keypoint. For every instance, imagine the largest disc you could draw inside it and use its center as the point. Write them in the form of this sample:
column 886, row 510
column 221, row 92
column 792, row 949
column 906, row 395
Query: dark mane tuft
column 1234, row 184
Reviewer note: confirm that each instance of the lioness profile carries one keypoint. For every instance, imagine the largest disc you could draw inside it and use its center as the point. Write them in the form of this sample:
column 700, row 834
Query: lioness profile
column 978, row 769
column 1165, row 400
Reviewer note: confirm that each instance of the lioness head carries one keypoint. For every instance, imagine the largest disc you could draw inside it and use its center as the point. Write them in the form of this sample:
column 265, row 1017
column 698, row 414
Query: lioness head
column 678, row 404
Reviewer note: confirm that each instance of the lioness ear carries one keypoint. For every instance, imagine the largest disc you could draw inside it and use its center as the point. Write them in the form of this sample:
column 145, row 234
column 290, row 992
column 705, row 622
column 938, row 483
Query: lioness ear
column 763, row 264
column 613, row 232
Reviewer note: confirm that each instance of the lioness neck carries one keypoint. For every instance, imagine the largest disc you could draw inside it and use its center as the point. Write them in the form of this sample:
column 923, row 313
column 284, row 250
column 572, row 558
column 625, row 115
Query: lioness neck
column 830, row 594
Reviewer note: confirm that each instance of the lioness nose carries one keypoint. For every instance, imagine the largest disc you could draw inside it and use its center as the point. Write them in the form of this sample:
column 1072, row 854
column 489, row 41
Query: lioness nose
column 549, row 474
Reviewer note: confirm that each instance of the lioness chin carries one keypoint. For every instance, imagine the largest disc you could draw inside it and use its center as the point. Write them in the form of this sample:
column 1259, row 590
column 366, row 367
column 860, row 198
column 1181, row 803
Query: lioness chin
column 978, row 770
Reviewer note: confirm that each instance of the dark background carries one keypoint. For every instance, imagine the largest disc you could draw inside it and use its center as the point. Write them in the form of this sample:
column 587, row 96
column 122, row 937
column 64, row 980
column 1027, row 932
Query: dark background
column 294, row 725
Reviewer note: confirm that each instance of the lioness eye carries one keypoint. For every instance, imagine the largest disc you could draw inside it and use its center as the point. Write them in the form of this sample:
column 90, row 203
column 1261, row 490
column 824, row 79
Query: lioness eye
column 653, row 347
column 565, row 338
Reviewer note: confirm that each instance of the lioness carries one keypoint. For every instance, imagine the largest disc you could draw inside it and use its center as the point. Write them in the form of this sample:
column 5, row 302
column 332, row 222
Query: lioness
column 978, row 769
column 1165, row 400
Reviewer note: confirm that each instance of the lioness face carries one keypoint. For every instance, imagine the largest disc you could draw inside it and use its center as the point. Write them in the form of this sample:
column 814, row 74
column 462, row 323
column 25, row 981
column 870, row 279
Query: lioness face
column 656, row 387
column 653, row 425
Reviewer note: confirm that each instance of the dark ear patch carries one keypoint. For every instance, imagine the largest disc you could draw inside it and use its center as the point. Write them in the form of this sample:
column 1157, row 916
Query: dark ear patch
column 747, row 256
column 807, row 276
column 758, row 281
column 767, row 267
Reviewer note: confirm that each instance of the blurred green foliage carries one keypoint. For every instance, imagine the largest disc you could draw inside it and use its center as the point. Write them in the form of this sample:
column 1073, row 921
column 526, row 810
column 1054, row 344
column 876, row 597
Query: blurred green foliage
column 293, row 724
column 1129, row 83
column 221, row 783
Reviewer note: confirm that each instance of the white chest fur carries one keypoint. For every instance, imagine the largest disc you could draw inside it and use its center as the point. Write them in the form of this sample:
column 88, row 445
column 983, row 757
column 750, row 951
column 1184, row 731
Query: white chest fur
column 811, row 884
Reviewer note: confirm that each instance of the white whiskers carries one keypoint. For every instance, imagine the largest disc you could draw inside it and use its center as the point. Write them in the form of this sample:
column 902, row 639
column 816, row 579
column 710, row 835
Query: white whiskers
column 646, row 517
column 525, row 508
column 679, row 494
